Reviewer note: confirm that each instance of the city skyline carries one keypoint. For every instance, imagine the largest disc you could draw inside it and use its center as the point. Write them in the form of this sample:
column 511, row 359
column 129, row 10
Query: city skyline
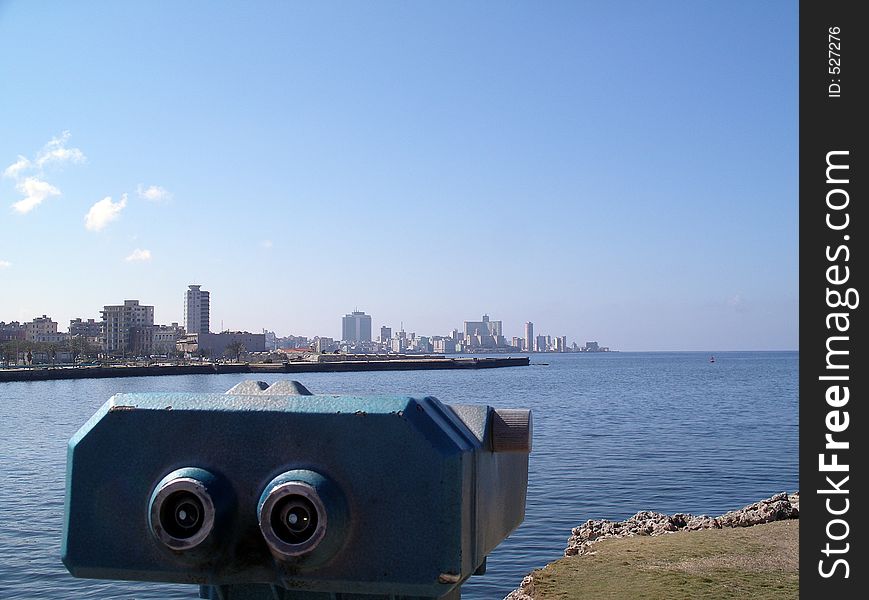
column 121, row 327
column 301, row 160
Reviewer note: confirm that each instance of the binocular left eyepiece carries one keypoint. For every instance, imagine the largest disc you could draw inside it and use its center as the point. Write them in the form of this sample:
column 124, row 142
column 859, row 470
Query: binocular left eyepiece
column 182, row 511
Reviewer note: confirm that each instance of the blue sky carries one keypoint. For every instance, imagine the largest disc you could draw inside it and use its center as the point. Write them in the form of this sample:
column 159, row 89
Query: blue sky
column 616, row 171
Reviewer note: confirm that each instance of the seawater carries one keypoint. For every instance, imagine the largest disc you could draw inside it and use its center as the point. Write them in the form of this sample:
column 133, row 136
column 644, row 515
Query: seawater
column 614, row 433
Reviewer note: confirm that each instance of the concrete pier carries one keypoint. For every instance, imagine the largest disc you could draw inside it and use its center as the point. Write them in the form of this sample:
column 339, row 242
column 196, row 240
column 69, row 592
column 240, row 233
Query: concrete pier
column 331, row 366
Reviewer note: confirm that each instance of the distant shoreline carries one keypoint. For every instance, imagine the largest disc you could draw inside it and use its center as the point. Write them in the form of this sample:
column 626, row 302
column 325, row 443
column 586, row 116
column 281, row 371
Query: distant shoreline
column 406, row 364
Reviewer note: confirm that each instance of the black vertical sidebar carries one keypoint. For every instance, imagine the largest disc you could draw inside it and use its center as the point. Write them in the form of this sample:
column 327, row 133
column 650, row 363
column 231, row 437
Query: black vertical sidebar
column 833, row 337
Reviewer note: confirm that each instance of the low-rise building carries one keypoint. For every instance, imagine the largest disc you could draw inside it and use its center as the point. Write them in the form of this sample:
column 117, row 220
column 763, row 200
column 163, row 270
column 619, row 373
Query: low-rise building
column 86, row 329
column 165, row 338
column 12, row 331
column 43, row 329
column 271, row 340
column 217, row 344
column 325, row 344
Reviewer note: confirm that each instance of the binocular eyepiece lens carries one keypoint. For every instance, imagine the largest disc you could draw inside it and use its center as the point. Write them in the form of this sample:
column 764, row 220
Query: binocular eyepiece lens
column 291, row 515
column 181, row 515
column 294, row 519
column 181, row 512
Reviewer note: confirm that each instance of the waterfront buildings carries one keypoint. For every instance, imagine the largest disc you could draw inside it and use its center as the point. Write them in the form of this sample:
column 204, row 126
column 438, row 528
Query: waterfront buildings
column 293, row 342
column 165, row 338
column 127, row 328
column 12, row 331
column 197, row 310
column 215, row 345
column 444, row 345
column 91, row 330
column 43, row 329
column 483, row 334
column 324, row 344
column 356, row 327
column 271, row 340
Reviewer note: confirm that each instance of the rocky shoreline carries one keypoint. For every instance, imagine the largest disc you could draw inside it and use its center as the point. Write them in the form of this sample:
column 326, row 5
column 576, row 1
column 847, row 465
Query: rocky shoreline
column 647, row 523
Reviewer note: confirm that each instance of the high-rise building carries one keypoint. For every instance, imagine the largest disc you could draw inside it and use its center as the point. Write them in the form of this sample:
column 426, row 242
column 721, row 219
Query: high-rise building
column 540, row 345
column 385, row 334
column 128, row 328
column 529, row 336
column 483, row 334
column 197, row 310
column 356, row 327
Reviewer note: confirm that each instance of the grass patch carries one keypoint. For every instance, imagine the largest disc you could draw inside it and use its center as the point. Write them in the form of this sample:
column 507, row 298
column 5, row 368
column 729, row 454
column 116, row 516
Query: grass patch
column 759, row 562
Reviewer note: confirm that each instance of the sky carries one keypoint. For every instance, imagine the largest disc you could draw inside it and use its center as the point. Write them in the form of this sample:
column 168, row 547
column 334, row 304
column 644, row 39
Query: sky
column 623, row 171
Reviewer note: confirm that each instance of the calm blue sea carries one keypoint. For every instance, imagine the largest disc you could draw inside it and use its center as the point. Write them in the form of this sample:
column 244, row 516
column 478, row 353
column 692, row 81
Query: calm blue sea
column 613, row 434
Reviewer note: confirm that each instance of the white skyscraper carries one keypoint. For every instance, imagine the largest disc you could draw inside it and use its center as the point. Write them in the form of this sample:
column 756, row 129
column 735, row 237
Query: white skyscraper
column 197, row 310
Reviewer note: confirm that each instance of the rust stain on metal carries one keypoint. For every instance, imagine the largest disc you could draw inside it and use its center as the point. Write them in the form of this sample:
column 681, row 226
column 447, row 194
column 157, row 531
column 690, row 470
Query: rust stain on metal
column 121, row 407
column 448, row 578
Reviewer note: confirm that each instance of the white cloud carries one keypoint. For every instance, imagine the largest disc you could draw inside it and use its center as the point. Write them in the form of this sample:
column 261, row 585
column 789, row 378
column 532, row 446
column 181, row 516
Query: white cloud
column 14, row 170
column 139, row 255
column 154, row 193
column 5, row 264
column 104, row 212
column 267, row 244
column 56, row 151
column 35, row 191
column 34, row 188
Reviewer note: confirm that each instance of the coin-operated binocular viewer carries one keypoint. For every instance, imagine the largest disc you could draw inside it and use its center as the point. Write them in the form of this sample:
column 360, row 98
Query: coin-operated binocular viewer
column 269, row 492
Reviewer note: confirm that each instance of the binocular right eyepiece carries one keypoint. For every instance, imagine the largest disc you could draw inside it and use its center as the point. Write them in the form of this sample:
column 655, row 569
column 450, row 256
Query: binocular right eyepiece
column 269, row 492
column 297, row 511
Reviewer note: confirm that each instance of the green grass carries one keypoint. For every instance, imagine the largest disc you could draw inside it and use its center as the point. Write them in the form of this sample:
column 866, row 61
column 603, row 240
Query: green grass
column 757, row 562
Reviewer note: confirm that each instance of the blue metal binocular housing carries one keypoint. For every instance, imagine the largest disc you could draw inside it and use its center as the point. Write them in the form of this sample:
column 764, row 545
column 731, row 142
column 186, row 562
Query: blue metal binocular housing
column 271, row 492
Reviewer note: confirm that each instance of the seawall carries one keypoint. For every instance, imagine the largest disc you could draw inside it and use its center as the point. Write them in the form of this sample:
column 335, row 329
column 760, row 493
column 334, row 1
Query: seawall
column 406, row 364
column 584, row 538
